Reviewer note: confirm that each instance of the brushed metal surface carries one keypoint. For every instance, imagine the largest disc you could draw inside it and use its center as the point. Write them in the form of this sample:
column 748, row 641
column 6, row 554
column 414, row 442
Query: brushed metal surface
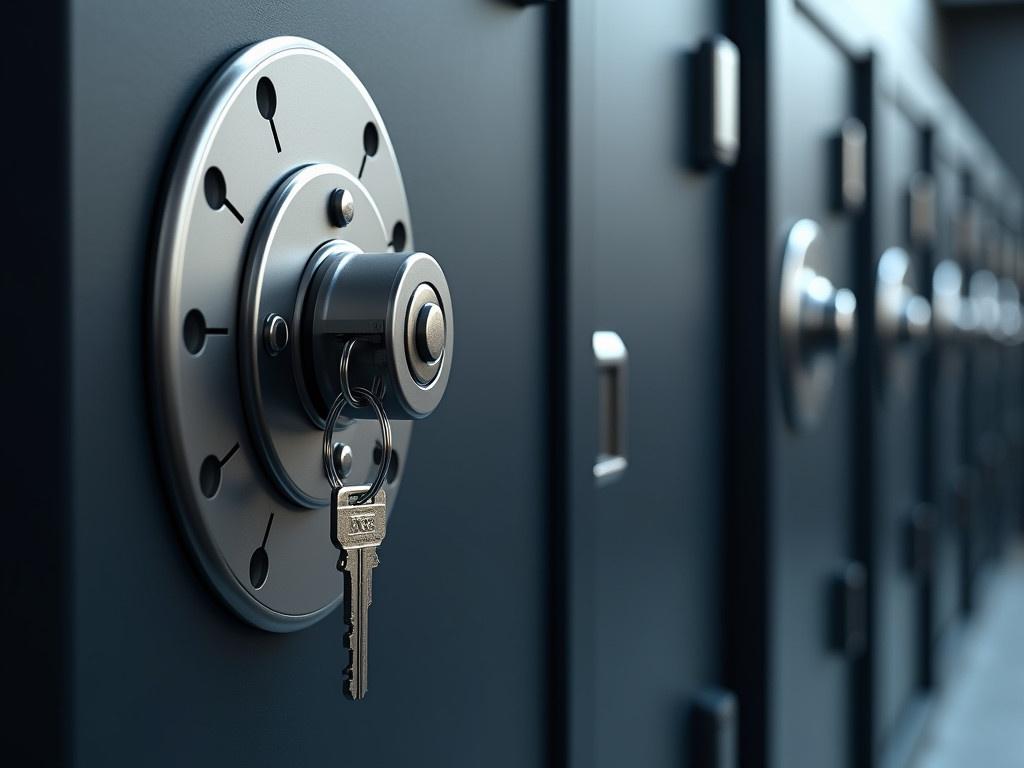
column 317, row 115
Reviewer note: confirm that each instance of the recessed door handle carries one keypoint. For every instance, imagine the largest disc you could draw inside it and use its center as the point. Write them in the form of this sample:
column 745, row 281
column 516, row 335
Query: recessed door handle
column 612, row 361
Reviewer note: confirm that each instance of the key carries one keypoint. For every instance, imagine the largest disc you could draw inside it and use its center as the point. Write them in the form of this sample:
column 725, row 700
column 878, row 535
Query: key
column 357, row 530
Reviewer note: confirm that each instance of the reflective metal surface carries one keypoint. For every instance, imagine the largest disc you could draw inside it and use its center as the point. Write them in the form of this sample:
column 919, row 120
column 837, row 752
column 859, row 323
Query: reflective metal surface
column 282, row 126
column 903, row 318
column 817, row 325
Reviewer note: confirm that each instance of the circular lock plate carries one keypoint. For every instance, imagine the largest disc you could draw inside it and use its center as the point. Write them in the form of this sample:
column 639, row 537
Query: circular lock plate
column 894, row 285
column 274, row 109
column 807, row 379
column 284, row 253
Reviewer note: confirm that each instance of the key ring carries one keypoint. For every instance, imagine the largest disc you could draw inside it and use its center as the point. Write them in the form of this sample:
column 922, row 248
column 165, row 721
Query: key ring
column 346, row 389
column 357, row 397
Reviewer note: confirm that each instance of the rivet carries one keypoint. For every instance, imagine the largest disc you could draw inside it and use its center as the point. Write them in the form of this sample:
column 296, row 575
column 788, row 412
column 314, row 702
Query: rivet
column 342, row 455
column 275, row 334
column 342, row 207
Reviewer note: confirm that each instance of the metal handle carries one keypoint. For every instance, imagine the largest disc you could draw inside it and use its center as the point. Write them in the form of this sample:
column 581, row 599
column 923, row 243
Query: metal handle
column 612, row 361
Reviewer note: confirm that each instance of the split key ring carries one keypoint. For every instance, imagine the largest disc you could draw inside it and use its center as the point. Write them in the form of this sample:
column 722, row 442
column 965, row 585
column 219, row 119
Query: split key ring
column 357, row 397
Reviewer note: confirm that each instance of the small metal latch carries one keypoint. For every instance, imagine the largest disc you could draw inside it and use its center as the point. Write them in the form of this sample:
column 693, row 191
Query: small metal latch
column 612, row 362
column 714, row 729
column 848, row 615
column 849, row 164
column 716, row 103
column 921, row 213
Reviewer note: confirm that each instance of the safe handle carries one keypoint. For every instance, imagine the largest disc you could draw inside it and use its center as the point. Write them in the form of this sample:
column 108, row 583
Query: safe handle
column 612, row 363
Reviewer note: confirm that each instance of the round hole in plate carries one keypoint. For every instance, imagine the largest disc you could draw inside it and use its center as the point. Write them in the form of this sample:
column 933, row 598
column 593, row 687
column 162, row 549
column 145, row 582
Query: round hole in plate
column 215, row 187
column 195, row 331
column 209, row 476
column 259, row 568
column 266, row 98
column 398, row 236
column 371, row 139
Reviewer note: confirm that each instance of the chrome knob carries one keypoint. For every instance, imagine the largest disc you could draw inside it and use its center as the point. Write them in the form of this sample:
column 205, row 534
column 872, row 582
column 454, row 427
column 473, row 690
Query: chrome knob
column 817, row 324
column 951, row 319
column 983, row 300
column 902, row 317
column 828, row 316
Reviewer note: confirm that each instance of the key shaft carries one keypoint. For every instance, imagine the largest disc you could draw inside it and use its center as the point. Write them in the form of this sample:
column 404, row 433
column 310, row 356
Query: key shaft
column 357, row 530
column 359, row 565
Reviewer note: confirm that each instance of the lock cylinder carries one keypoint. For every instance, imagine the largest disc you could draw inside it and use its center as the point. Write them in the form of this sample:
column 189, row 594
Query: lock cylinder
column 398, row 306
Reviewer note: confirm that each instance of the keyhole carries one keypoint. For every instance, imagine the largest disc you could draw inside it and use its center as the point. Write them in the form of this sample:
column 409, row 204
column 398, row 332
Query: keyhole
column 266, row 102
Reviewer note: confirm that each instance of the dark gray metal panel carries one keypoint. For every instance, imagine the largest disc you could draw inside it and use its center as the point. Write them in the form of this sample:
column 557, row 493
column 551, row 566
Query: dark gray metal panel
column 897, row 450
column 161, row 667
column 811, row 94
column 983, row 446
column 656, row 260
column 983, row 44
column 946, row 380
column 572, row 102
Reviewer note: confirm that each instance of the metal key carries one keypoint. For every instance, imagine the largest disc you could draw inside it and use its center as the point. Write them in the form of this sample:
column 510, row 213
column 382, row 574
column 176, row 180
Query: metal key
column 357, row 530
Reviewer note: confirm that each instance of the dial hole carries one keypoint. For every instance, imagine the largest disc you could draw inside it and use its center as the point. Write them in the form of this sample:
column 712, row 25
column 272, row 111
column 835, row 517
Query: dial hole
column 371, row 139
column 398, row 236
column 259, row 568
column 266, row 98
column 266, row 102
column 378, row 455
column 195, row 331
column 215, row 187
column 209, row 476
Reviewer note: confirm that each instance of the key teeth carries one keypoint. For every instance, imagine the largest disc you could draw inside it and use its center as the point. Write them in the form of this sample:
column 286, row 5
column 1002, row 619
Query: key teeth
column 351, row 688
column 350, row 685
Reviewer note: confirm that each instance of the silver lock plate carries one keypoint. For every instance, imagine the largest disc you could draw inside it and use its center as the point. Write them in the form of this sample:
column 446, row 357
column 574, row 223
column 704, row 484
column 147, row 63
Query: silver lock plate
column 282, row 256
column 816, row 325
column 281, row 125
column 903, row 320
